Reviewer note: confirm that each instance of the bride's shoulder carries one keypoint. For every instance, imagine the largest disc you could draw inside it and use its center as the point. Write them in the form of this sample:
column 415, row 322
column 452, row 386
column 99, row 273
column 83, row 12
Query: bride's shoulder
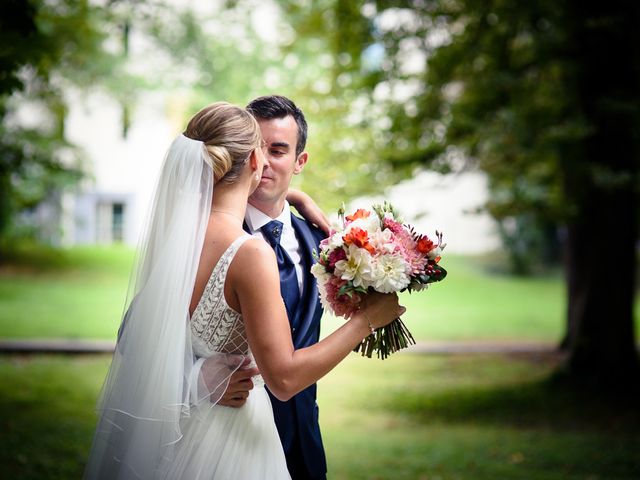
column 255, row 261
column 255, row 252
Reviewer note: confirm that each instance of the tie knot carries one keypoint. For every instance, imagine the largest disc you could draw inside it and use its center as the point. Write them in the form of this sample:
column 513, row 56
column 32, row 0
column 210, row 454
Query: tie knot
column 272, row 231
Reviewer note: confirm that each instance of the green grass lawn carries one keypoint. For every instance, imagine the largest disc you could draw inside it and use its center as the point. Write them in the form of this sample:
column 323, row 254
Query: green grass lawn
column 80, row 293
column 472, row 417
column 474, row 303
column 77, row 293
column 409, row 417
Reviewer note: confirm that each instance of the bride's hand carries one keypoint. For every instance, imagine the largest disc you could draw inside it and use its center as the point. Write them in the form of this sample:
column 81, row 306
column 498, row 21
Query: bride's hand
column 380, row 309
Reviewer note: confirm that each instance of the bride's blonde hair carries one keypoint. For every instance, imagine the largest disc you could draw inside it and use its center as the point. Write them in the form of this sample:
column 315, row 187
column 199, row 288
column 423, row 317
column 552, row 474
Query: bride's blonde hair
column 229, row 133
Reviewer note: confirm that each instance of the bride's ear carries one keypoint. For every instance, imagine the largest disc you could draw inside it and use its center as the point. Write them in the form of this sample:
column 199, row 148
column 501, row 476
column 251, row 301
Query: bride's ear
column 253, row 160
column 256, row 161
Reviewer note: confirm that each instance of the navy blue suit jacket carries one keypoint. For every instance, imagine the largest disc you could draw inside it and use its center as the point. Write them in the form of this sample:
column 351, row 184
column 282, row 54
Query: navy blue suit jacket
column 297, row 418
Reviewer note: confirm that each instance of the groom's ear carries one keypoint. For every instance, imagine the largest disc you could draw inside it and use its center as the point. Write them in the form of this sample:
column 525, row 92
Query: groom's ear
column 301, row 161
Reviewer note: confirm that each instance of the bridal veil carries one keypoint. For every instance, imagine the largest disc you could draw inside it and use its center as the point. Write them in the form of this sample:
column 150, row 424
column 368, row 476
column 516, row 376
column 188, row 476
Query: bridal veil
column 154, row 376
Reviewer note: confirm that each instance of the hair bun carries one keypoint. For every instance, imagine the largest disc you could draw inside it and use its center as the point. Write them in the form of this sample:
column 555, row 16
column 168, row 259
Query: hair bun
column 221, row 160
column 229, row 134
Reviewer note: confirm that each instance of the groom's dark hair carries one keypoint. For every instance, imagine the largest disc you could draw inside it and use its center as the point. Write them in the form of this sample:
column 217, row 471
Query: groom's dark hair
column 277, row 106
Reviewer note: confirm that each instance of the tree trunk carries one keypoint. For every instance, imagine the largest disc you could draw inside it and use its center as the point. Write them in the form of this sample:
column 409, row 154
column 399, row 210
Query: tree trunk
column 602, row 187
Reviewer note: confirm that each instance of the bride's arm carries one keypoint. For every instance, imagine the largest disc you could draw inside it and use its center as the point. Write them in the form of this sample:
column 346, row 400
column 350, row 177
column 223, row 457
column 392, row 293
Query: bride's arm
column 308, row 208
column 287, row 371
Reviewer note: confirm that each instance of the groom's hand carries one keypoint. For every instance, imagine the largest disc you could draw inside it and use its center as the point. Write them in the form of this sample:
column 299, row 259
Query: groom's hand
column 240, row 384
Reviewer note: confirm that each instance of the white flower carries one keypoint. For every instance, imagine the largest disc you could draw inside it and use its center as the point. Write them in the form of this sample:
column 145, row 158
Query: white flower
column 389, row 273
column 371, row 224
column 357, row 267
column 335, row 240
column 318, row 270
column 322, row 291
column 382, row 241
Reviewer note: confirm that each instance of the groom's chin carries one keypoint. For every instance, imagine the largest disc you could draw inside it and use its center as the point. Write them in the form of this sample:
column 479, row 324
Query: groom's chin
column 261, row 195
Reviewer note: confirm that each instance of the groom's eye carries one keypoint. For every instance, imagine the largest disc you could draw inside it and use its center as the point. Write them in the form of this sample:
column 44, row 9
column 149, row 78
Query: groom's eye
column 278, row 148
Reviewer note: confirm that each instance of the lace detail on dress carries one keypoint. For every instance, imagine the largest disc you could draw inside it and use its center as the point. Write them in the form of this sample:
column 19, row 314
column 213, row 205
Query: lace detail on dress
column 216, row 327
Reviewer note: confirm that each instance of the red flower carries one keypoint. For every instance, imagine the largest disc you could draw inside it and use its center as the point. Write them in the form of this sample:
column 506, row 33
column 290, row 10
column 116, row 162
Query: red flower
column 425, row 245
column 360, row 213
column 359, row 238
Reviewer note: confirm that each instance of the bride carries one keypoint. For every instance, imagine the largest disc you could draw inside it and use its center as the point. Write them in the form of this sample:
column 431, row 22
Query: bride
column 204, row 296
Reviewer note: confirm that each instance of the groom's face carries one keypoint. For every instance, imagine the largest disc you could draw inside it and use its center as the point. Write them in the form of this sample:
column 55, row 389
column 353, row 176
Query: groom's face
column 281, row 162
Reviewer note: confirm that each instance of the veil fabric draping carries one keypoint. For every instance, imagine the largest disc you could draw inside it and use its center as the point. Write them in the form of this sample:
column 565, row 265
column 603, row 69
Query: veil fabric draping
column 154, row 377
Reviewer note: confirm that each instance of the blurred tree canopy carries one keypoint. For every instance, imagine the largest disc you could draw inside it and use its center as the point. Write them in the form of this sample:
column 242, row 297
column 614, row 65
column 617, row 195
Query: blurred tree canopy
column 41, row 44
column 544, row 98
column 455, row 84
column 46, row 46
column 248, row 49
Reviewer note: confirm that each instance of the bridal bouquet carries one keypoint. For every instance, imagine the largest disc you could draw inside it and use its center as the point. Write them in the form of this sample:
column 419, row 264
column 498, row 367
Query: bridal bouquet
column 375, row 251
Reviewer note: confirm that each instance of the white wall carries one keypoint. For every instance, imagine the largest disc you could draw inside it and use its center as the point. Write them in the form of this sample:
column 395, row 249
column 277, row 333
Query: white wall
column 122, row 169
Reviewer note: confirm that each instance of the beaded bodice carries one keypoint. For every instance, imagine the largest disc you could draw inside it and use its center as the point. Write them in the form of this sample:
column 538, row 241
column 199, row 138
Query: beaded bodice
column 215, row 326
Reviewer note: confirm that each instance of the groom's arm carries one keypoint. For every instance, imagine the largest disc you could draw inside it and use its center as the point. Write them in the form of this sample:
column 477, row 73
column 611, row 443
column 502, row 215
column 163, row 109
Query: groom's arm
column 309, row 209
column 240, row 384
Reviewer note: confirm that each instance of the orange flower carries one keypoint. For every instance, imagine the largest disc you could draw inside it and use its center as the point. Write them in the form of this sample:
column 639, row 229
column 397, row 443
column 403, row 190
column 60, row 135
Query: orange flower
column 360, row 213
column 359, row 238
column 425, row 245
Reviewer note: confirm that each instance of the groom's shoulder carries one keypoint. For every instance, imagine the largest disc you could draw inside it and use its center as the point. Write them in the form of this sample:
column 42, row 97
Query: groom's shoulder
column 303, row 223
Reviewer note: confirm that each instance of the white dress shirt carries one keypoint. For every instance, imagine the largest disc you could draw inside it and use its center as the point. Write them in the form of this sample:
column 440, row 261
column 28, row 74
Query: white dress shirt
column 256, row 220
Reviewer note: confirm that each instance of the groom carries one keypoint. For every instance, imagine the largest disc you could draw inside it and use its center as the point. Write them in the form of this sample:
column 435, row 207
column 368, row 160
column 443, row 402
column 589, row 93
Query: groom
column 284, row 131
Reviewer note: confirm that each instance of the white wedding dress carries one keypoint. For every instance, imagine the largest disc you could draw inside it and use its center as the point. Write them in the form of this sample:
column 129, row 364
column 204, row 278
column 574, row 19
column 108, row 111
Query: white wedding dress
column 220, row 442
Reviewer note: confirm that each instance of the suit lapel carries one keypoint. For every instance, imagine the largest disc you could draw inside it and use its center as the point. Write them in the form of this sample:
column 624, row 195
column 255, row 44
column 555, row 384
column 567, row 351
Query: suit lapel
column 305, row 314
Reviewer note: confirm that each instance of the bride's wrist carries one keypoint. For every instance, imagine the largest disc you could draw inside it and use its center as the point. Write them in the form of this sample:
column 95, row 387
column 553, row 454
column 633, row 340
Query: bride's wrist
column 365, row 321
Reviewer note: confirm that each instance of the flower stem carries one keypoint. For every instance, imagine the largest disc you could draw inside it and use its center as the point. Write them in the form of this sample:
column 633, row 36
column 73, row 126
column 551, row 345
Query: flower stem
column 386, row 340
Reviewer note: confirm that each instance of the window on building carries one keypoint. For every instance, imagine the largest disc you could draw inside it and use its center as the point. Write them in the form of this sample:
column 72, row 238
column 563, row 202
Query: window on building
column 117, row 222
column 110, row 222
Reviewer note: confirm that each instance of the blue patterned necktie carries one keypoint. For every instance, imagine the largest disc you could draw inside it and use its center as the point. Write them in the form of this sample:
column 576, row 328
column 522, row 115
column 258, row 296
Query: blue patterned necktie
column 289, row 290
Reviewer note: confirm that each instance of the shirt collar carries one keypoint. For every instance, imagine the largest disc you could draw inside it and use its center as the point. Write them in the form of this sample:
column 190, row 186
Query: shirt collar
column 256, row 219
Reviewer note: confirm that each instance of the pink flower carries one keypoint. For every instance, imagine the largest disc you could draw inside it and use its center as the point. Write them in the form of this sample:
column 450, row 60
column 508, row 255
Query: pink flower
column 392, row 225
column 342, row 305
column 407, row 247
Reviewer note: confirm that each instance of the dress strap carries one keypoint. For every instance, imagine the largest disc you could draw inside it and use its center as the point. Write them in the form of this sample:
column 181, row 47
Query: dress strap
column 218, row 275
column 220, row 270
